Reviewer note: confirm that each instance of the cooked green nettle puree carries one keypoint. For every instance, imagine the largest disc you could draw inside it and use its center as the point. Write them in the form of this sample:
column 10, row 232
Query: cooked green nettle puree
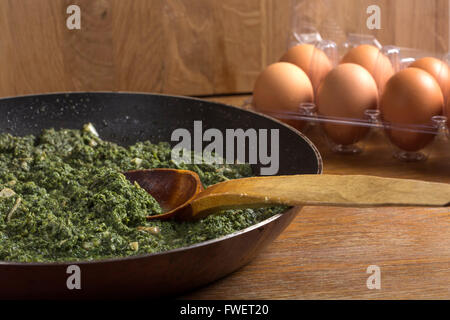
column 63, row 198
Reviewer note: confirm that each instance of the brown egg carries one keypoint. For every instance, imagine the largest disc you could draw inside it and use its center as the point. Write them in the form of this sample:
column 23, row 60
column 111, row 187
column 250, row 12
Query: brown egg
column 346, row 92
column 411, row 98
column 311, row 60
column 373, row 60
column 282, row 87
column 438, row 69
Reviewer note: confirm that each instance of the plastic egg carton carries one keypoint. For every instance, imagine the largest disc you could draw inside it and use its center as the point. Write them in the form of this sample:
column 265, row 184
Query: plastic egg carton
column 411, row 137
column 378, row 132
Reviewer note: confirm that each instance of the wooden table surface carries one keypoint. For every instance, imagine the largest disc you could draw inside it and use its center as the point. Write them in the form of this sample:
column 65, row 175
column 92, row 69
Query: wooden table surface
column 325, row 252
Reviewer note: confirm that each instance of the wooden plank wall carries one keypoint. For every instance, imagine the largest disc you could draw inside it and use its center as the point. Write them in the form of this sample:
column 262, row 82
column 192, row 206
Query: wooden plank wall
column 192, row 47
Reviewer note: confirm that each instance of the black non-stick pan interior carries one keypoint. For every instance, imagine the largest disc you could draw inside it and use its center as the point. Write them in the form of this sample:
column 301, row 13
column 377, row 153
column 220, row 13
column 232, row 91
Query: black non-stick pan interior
column 126, row 118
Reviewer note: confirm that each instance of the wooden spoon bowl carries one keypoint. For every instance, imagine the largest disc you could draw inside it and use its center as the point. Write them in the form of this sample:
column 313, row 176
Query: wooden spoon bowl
column 173, row 189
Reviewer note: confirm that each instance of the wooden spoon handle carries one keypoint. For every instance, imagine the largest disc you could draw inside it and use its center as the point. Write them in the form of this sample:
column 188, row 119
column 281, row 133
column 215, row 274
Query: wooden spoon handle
column 320, row 190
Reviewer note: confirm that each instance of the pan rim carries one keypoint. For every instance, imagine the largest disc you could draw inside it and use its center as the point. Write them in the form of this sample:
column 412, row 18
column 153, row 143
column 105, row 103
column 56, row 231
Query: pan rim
column 195, row 245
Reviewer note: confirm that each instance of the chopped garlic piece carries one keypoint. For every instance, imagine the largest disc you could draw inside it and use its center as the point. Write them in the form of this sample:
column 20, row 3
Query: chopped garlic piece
column 14, row 208
column 137, row 161
column 152, row 230
column 89, row 127
column 6, row 193
column 134, row 245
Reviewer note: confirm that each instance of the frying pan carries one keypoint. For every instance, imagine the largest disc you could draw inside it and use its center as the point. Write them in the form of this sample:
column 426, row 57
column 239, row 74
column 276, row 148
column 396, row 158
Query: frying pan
column 125, row 118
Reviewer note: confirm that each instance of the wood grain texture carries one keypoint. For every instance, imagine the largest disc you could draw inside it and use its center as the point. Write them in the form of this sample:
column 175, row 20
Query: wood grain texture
column 6, row 54
column 177, row 46
column 325, row 252
column 139, row 45
column 34, row 62
column 192, row 47
column 88, row 54
column 220, row 46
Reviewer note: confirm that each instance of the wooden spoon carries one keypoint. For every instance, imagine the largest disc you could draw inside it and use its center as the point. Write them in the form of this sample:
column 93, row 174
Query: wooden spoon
column 182, row 196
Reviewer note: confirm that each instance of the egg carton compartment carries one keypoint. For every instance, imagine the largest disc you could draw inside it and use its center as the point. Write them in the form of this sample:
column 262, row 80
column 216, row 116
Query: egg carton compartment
column 430, row 139
column 372, row 129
